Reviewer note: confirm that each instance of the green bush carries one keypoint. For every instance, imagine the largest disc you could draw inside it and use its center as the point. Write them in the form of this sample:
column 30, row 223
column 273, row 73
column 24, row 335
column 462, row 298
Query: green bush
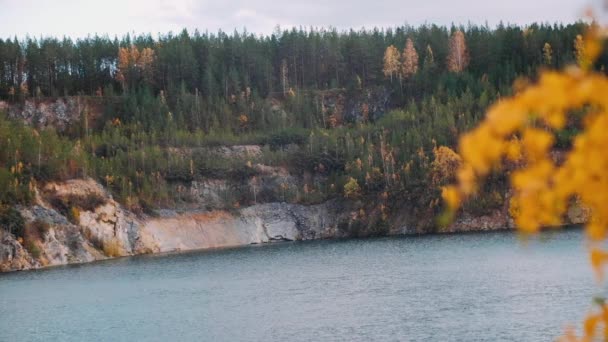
column 12, row 221
column 71, row 205
column 286, row 137
column 33, row 249
column 484, row 202
column 39, row 227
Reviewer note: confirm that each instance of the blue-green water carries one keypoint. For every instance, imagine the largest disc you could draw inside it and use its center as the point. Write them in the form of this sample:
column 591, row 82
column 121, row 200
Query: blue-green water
column 473, row 287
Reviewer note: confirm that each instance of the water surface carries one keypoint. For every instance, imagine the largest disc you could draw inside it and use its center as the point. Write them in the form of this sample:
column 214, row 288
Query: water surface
column 471, row 287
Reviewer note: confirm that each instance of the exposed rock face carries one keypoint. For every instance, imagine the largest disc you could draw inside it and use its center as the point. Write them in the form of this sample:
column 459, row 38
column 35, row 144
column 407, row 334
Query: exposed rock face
column 63, row 242
column 237, row 151
column 58, row 113
column 106, row 229
column 497, row 220
column 108, row 222
column 210, row 193
column 244, row 152
column 371, row 104
column 271, row 184
column 367, row 104
column 256, row 224
column 282, row 221
column 13, row 256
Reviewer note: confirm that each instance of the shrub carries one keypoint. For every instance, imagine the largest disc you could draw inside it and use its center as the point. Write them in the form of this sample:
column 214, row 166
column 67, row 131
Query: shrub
column 301, row 161
column 38, row 227
column 93, row 239
column 88, row 203
column 33, row 248
column 444, row 166
column 352, row 189
column 74, row 215
column 112, row 248
column 241, row 173
column 71, row 205
column 147, row 207
column 286, row 137
column 484, row 202
column 12, row 221
column 179, row 173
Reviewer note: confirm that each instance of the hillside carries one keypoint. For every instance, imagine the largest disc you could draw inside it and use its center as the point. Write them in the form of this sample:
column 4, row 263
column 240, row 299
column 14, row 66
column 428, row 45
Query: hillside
column 200, row 141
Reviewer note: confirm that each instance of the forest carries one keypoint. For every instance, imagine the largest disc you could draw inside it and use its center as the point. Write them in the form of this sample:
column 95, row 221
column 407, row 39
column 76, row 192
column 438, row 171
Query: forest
column 414, row 89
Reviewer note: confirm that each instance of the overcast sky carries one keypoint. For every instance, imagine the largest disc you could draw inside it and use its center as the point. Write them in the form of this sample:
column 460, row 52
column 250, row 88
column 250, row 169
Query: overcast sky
column 78, row 18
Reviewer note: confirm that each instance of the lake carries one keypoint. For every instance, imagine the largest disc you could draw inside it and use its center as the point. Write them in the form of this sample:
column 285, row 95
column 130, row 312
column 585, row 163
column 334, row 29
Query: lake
column 469, row 287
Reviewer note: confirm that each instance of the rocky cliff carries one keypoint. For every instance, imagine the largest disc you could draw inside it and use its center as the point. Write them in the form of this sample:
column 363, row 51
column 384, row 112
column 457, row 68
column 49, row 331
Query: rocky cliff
column 106, row 229
column 78, row 221
column 59, row 113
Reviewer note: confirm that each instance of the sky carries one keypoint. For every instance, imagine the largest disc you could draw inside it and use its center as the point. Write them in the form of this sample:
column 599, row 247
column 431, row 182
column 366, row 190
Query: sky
column 79, row 18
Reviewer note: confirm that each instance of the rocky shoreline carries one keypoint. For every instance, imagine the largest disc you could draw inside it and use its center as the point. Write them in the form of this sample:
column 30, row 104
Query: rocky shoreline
column 106, row 229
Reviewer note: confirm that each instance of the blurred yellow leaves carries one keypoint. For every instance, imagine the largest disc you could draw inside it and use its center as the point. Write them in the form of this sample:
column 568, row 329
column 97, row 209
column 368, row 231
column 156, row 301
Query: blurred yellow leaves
column 522, row 129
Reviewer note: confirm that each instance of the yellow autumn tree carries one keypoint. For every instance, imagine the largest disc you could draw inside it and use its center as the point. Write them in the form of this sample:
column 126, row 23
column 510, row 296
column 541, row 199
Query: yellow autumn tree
column 133, row 64
column 458, row 56
column 409, row 67
column 579, row 50
column 123, row 65
column 547, row 54
column 146, row 64
column 429, row 58
column 391, row 62
column 523, row 128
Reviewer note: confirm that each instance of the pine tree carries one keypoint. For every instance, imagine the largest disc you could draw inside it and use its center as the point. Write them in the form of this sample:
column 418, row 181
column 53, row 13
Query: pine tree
column 284, row 76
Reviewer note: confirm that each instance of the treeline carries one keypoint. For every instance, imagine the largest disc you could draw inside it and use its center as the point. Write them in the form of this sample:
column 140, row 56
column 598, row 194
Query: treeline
column 218, row 66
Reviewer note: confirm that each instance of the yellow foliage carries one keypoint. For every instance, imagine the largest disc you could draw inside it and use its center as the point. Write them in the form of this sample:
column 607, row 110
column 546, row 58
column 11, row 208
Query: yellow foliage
column 547, row 54
column 75, row 214
column 444, row 166
column 352, row 189
column 391, row 62
column 112, row 248
column 410, row 60
column 429, row 58
column 450, row 196
column 458, row 57
column 133, row 59
column 542, row 188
